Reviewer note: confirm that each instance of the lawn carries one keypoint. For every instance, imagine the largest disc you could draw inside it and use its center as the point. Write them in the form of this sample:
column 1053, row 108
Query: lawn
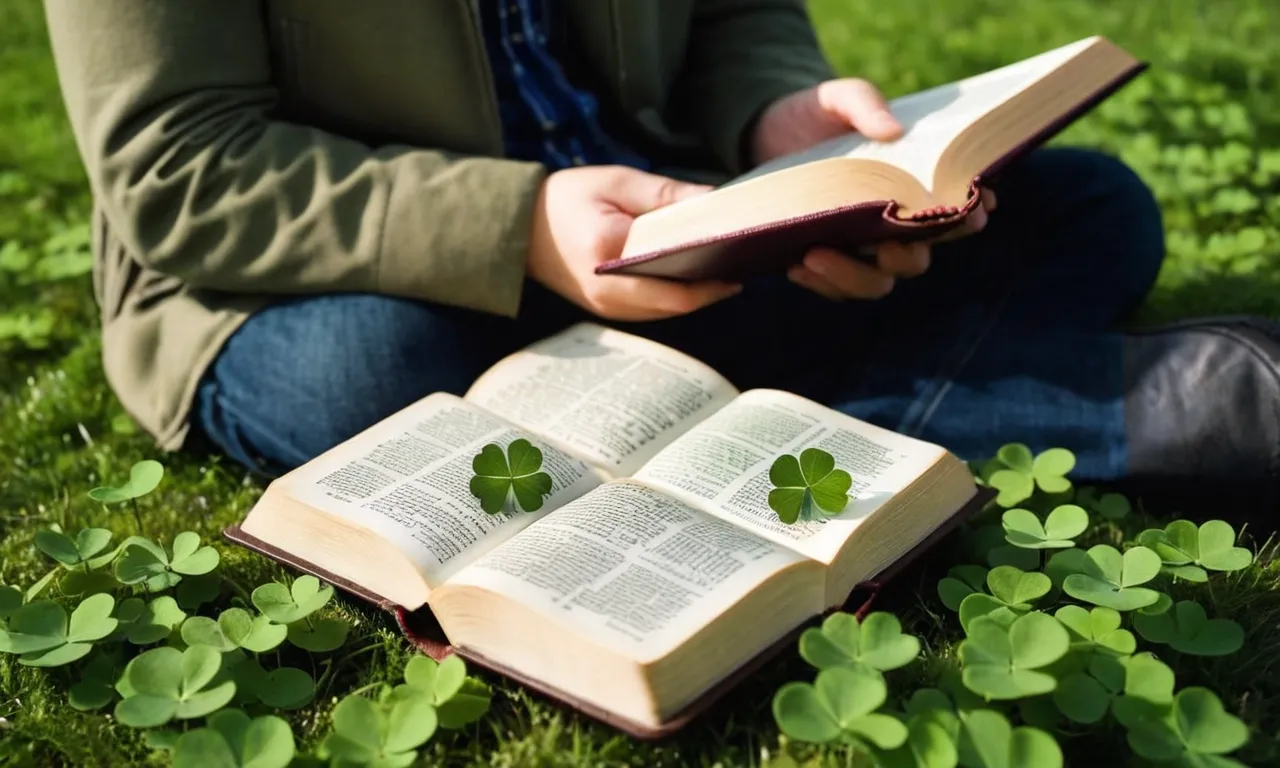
column 1203, row 128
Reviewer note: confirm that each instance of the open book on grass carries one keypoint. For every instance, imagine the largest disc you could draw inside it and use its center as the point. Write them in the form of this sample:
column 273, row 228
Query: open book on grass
column 851, row 191
column 654, row 566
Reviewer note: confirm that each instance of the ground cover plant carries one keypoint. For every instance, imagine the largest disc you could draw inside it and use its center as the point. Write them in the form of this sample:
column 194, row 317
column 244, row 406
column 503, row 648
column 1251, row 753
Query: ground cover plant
column 1203, row 128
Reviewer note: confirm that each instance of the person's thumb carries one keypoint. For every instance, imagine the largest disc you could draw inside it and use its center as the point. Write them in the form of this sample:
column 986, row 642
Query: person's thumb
column 636, row 192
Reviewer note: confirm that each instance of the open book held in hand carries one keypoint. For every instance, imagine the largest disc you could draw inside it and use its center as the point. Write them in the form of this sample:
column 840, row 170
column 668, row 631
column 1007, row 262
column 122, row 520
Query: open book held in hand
column 850, row 191
column 654, row 569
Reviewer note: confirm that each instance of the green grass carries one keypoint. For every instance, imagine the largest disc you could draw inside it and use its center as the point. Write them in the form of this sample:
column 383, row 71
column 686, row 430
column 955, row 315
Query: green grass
column 1203, row 128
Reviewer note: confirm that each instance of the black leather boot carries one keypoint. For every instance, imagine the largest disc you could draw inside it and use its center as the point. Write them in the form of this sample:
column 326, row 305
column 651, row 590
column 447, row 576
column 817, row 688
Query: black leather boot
column 1202, row 414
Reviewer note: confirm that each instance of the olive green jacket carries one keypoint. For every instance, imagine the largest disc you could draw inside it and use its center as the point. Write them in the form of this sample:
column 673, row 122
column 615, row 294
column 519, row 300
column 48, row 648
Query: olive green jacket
column 240, row 150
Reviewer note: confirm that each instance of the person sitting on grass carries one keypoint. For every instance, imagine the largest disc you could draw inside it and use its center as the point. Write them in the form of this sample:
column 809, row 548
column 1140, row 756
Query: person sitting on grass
column 309, row 215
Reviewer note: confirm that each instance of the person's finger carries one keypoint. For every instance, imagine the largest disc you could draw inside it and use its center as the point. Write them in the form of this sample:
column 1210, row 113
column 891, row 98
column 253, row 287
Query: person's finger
column 852, row 278
column 627, row 297
column 903, row 259
column 807, row 278
column 636, row 192
column 988, row 199
column 861, row 105
column 974, row 223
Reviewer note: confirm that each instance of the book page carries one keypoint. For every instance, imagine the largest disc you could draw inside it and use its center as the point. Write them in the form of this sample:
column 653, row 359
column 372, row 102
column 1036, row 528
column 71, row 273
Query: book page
column 933, row 118
column 631, row 568
column 607, row 397
column 722, row 466
column 408, row 480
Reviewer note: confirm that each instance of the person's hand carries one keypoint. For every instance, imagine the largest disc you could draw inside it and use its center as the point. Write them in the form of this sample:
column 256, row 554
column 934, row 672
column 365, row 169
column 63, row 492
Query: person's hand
column 581, row 219
column 834, row 108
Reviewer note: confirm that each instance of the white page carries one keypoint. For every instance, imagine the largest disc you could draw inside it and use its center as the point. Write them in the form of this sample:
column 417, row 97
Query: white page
column 632, row 568
column 408, row 480
column 607, row 397
column 932, row 118
column 722, row 466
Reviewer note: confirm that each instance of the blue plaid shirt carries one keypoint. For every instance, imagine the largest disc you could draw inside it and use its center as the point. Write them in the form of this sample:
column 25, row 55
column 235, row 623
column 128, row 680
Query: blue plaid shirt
column 544, row 117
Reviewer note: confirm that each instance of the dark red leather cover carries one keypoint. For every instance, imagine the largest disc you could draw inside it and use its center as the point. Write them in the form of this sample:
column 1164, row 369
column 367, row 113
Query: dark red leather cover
column 774, row 246
column 421, row 628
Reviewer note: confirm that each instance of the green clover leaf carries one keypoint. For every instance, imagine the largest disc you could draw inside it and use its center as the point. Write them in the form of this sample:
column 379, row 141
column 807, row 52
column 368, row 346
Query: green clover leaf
column 1188, row 552
column 285, row 605
column 960, row 582
column 73, row 552
column 146, row 562
column 93, row 688
column 504, row 482
column 1187, row 629
column 1085, row 697
column 252, row 633
column 232, row 740
column 987, row 740
column 1063, row 563
column 808, row 488
column 1023, row 529
column 10, row 601
column 195, row 591
column 1000, row 662
column 1112, row 580
column 1148, row 691
column 929, row 743
column 1196, row 732
column 458, row 699
column 1012, row 591
column 840, row 704
column 876, row 643
column 42, row 634
column 144, row 477
column 1113, row 506
column 145, row 623
column 1023, row 473
column 163, row 684
column 318, row 635
column 1096, row 630
column 285, row 688
column 386, row 733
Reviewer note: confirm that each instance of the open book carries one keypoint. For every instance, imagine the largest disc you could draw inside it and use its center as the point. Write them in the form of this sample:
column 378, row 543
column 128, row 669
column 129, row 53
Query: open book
column 851, row 191
column 655, row 567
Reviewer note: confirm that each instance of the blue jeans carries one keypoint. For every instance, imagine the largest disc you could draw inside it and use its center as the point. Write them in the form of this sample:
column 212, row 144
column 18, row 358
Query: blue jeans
column 1008, row 337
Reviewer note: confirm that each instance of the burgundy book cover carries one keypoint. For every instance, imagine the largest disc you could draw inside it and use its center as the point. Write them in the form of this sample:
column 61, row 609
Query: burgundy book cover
column 423, row 630
column 774, row 246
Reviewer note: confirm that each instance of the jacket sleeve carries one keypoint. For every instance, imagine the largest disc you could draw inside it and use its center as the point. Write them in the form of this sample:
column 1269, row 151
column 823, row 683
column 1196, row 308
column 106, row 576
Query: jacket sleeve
column 743, row 55
column 172, row 106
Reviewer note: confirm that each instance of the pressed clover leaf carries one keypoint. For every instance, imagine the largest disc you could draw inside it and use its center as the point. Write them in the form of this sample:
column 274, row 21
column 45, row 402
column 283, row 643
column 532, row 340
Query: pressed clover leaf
column 1022, row 528
column 960, row 582
column 232, row 740
column 840, row 704
column 1188, row 552
column 93, row 688
column 43, row 635
column 1085, row 697
column 1023, row 473
column 808, row 488
column 1187, row 629
column 1197, row 731
column 1096, row 630
column 1012, row 591
column 73, row 552
column 987, row 740
column 163, row 684
column 877, row 642
column 1112, row 580
column 145, row 623
column 285, row 605
column 144, row 477
column 385, row 733
column 505, row 481
column 1001, row 662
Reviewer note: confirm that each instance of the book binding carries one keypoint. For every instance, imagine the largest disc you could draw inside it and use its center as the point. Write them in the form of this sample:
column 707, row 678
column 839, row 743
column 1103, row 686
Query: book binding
column 775, row 245
column 421, row 628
